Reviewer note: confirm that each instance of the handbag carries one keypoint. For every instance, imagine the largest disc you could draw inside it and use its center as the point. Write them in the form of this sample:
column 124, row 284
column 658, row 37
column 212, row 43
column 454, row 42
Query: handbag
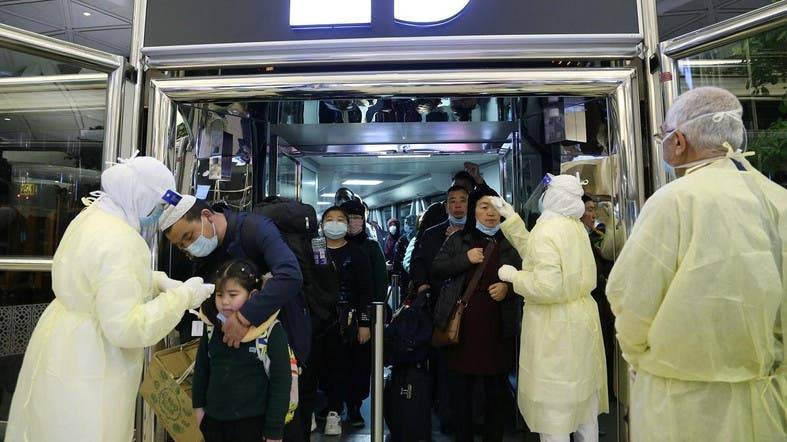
column 450, row 334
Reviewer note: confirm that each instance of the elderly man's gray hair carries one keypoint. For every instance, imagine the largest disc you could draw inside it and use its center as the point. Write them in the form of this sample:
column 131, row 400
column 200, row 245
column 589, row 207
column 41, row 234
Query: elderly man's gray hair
column 720, row 121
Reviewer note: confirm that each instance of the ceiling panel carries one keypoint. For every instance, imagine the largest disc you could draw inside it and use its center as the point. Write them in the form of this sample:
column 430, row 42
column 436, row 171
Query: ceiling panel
column 23, row 23
column 117, row 38
column 48, row 12
column 96, row 19
column 122, row 8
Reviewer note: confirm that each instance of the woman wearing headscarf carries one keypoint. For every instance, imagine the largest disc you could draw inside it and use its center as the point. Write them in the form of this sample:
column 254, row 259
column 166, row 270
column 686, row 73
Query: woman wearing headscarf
column 394, row 233
column 486, row 350
column 82, row 368
column 562, row 371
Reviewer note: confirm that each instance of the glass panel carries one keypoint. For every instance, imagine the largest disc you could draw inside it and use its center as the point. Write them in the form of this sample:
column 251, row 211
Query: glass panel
column 683, row 16
column 755, row 70
column 51, row 151
column 20, row 64
column 286, row 177
column 309, row 187
column 214, row 161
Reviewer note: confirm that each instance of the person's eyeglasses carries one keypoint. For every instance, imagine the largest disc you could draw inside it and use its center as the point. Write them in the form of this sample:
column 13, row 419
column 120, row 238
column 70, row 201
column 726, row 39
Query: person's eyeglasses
column 662, row 135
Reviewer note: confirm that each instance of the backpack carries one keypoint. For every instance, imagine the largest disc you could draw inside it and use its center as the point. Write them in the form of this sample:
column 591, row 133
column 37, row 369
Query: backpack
column 261, row 344
column 408, row 337
column 297, row 223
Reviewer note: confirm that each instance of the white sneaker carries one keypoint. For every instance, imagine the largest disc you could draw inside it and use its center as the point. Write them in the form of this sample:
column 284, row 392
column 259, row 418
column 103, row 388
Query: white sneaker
column 333, row 424
column 314, row 423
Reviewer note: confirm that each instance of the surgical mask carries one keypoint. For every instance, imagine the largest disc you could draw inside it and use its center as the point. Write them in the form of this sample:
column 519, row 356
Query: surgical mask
column 457, row 221
column 202, row 246
column 334, row 229
column 489, row 231
column 151, row 220
column 356, row 227
column 392, row 230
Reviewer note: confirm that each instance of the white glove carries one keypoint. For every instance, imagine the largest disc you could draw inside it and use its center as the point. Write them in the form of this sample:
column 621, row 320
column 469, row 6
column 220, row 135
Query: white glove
column 198, row 291
column 507, row 273
column 506, row 210
column 604, row 213
column 163, row 283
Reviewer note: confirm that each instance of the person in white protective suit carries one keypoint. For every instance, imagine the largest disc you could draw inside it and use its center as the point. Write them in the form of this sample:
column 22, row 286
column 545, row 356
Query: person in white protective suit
column 562, row 369
column 83, row 365
column 699, row 289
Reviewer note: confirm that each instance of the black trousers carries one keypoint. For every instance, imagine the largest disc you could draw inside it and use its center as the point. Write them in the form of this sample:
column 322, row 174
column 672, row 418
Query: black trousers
column 250, row 429
column 462, row 394
column 343, row 370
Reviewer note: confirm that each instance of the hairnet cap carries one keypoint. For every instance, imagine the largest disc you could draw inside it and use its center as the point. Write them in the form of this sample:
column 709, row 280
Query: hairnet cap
column 173, row 214
column 568, row 183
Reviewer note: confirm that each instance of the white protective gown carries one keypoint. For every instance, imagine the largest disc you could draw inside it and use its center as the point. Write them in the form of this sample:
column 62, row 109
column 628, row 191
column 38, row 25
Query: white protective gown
column 83, row 365
column 696, row 293
column 562, row 369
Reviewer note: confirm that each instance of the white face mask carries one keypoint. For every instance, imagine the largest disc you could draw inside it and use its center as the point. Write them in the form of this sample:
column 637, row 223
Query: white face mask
column 334, row 229
column 392, row 230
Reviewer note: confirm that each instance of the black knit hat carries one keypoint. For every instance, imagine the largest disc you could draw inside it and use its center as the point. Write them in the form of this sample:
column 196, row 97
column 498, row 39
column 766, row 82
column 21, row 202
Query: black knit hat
column 354, row 207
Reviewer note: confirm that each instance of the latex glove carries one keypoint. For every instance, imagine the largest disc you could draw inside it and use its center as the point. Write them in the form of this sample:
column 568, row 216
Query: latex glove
column 199, row 291
column 604, row 213
column 163, row 283
column 506, row 210
column 507, row 273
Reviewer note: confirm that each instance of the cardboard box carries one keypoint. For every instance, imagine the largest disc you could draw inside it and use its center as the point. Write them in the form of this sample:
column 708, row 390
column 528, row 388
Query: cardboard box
column 166, row 387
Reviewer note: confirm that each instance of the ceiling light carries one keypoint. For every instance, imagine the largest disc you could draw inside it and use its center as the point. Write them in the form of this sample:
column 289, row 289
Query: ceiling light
column 362, row 182
column 323, row 203
column 86, row 14
column 327, row 195
column 405, row 156
column 7, row 119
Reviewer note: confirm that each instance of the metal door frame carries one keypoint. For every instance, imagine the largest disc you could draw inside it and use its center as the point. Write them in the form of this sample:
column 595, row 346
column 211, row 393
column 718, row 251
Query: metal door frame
column 619, row 84
column 701, row 40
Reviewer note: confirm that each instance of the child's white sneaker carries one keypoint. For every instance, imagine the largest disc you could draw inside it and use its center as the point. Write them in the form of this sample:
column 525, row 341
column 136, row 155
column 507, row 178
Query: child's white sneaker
column 333, row 424
column 314, row 423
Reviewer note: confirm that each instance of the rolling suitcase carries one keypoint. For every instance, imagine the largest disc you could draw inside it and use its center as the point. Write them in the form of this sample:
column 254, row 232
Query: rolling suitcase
column 408, row 403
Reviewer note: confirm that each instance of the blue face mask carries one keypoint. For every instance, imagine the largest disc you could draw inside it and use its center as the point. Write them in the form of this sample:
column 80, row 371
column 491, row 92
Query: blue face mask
column 457, row 221
column 147, row 222
column 202, row 246
column 489, row 231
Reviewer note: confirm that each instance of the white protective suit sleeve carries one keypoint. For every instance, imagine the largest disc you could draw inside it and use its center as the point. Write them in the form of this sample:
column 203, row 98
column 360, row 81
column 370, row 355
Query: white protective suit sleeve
column 544, row 284
column 643, row 273
column 126, row 319
column 516, row 232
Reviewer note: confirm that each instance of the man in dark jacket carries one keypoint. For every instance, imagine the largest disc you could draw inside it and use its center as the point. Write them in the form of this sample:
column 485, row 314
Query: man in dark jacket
column 429, row 244
column 213, row 234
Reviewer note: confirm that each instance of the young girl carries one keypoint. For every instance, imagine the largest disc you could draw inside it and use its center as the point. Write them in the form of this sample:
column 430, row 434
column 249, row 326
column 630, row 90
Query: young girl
column 234, row 397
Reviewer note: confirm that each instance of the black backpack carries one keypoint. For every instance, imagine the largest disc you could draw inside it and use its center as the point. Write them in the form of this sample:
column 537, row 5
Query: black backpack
column 297, row 223
column 409, row 335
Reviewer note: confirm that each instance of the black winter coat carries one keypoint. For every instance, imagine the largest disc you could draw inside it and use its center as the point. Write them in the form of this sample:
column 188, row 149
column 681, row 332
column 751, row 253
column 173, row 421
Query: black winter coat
column 452, row 266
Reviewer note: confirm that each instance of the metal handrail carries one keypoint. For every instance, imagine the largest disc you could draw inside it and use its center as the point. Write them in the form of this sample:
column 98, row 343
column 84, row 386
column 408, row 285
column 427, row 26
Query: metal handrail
column 26, row 264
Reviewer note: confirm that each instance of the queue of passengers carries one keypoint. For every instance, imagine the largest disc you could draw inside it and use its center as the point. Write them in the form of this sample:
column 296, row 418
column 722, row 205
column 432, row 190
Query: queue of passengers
column 696, row 297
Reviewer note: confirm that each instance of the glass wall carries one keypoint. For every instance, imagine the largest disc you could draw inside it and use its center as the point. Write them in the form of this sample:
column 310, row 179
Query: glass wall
column 52, row 123
column 755, row 70
column 678, row 17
